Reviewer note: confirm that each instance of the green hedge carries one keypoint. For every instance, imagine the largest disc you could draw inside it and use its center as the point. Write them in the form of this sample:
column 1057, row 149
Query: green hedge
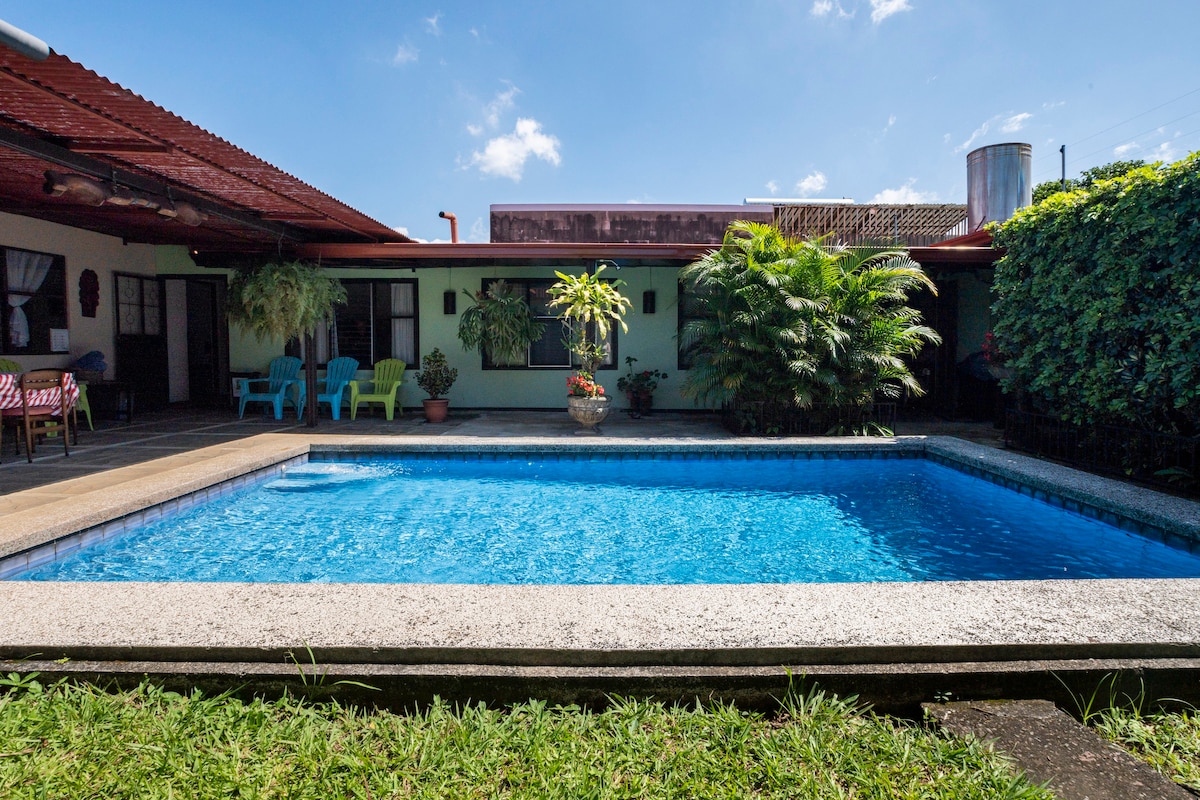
column 1098, row 309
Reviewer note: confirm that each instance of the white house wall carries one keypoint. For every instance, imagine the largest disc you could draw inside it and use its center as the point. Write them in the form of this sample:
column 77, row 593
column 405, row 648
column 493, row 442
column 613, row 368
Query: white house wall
column 83, row 250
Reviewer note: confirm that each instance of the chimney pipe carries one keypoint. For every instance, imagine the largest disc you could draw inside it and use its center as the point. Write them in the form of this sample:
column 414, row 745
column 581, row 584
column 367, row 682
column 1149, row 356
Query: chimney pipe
column 453, row 225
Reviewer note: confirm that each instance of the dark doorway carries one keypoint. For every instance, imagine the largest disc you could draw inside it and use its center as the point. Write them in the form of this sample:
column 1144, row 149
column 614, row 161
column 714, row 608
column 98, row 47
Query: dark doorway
column 207, row 344
column 934, row 367
column 141, row 342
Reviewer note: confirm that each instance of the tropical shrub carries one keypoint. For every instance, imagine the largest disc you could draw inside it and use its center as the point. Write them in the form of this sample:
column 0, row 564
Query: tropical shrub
column 591, row 305
column 1098, row 300
column 780, row 324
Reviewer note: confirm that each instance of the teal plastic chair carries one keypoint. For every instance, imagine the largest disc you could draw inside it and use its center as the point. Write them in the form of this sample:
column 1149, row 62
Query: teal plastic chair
column 279, row 386
column 338, row 374
column 389, row 373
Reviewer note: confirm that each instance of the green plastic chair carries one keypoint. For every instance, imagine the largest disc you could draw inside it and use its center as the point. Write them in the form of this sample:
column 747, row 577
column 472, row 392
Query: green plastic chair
column 8, row 365
column 388, row 375
column 280, row 381
column 338, row 374
column 83, row 405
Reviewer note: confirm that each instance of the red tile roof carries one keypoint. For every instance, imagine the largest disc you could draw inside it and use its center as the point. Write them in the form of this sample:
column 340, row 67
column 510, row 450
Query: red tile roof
column 57, row 115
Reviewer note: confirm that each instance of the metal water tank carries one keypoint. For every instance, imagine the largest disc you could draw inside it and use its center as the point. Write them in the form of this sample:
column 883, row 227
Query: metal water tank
column 999, row 181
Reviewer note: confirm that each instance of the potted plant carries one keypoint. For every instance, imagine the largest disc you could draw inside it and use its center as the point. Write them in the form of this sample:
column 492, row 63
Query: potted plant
column 639, row 387
column 436, row 377
column 591, row 306
column 500, row 324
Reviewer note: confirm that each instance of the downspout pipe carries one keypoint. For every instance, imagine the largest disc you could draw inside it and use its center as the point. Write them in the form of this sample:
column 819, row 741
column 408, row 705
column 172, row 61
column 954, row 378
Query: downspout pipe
column 453, row 225
column 24, row 43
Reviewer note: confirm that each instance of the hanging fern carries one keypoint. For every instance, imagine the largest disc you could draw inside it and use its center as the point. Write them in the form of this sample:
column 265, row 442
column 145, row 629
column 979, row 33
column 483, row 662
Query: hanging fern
column 283, row 300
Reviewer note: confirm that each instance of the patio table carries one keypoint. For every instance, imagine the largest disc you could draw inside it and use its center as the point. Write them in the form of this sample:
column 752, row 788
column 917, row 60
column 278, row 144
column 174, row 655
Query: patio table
column 10, row 392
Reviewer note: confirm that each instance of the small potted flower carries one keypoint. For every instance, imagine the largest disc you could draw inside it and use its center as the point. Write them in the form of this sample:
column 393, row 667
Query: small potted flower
column 639, row 387
column 436, row 377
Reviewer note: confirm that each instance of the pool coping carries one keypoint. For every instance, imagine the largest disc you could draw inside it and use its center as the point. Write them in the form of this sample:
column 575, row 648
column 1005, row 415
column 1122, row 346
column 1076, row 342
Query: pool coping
column 596, row 628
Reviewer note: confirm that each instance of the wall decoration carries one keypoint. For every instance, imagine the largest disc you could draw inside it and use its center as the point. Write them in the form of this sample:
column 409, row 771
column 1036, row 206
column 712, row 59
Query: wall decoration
column 89, row 292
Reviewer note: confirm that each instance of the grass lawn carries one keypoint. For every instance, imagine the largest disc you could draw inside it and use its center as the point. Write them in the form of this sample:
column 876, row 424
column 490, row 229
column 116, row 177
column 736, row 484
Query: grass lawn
column 1170, row 742
column 67, row 741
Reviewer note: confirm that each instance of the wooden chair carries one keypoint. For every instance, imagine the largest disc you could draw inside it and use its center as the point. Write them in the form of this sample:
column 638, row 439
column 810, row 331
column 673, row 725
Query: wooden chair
column 46, row 413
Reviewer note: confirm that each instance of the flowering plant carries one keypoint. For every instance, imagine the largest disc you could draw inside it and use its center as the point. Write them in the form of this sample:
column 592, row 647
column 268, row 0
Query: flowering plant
column 581, row 384
column 639, row 383
column 991, row 350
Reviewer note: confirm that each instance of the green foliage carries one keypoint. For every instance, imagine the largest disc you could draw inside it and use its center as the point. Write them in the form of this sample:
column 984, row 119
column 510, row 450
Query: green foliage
column 282, row 300
column 1086, row 178
column 591, row 305
column 793, row 324
column 436, row 376
column 1098, row 300
column 73, row 741
column 499, row 324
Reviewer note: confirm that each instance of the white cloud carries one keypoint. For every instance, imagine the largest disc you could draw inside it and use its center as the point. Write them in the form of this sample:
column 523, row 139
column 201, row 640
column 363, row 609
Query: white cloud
column 823, row 8
column 502, row 102
column 405, row 54
column 773, row 187
column 1015, row 122
column 905, row 195
column 505, row 156
column 475, row 130
column 1050, row 106
column 882, row 9
column 1122, row 150
column 811, row 184
column 432, row 24
column 479, row 231
column 978, row 132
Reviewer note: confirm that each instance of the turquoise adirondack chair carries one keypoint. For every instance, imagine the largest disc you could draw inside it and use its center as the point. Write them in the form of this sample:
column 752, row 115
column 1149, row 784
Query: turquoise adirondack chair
column 280, row 386
column 338, row 374
column 389, row 373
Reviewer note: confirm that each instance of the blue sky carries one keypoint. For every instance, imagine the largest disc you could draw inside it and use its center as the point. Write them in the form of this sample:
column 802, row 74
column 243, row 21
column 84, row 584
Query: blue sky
column 406, row 109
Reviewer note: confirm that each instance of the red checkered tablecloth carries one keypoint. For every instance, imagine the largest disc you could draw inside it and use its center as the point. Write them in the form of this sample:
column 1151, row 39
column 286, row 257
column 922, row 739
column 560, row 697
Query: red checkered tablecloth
column 10, row 392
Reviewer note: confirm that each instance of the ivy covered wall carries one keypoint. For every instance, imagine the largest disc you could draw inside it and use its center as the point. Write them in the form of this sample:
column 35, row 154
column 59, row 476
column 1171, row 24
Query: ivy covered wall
column 1098, row 309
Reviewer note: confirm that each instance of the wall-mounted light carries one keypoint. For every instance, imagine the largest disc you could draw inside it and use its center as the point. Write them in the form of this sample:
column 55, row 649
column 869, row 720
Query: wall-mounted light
column 648, row 301
column 449, row 302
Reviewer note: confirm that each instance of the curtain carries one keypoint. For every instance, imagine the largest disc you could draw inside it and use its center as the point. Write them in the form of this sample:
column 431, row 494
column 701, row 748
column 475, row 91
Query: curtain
column 26, row 271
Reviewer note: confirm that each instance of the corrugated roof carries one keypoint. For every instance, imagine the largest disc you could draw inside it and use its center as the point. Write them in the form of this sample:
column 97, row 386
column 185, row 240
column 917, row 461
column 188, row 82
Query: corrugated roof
column 58, row 115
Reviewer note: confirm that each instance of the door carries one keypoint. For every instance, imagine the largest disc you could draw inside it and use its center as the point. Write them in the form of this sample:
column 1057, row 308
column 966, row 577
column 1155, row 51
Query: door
column 207, row 344
column 141, row 343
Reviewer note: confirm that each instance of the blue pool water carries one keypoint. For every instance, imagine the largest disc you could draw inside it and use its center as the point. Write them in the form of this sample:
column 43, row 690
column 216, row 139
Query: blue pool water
column 645, row 521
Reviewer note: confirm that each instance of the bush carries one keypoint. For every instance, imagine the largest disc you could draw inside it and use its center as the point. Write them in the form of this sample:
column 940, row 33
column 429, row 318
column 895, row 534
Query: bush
column 1099, row 300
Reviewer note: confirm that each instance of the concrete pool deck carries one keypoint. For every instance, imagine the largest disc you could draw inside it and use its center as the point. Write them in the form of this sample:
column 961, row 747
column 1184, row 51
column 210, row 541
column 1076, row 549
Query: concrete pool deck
column 894, row 644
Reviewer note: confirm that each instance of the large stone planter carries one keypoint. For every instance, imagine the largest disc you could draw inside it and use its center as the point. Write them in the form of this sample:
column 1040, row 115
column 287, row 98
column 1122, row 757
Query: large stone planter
column 588, row 412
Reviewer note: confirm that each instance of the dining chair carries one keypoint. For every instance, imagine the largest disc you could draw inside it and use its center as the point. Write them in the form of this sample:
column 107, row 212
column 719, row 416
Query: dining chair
column 44, row 409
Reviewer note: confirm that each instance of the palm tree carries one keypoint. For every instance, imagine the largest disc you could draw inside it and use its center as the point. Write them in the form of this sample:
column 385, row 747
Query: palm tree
column 283, row 301
column 780, row 325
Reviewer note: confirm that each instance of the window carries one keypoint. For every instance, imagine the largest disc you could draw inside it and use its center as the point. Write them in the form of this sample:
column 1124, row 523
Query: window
column 139, row 306
column 378, row 321
column 551, row 350
column 33, row 302
column 689, row 310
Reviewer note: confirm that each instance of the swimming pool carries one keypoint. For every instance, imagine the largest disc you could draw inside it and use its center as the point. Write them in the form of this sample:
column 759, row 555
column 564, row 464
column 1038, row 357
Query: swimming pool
column 623, row 518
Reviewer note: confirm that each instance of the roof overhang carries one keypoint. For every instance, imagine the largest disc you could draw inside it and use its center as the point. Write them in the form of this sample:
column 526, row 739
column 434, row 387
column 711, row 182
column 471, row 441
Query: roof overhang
column 126, row 167
column 515, row 254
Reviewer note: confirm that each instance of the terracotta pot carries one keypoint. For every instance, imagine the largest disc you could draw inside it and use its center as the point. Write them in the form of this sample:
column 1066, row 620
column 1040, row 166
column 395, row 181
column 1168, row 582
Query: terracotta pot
column 588, row 412
column 435, row 410
column 640, row 403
